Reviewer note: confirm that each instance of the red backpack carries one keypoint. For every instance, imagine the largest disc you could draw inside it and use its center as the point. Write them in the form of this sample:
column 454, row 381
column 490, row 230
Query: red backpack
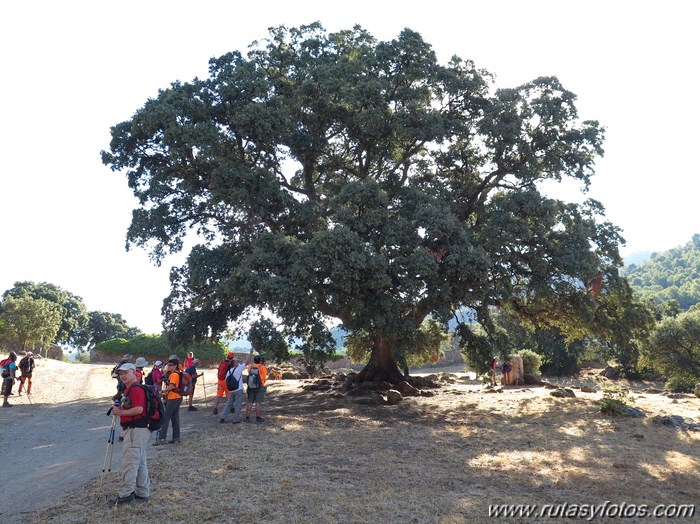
column 4, row 364
column 223, row 369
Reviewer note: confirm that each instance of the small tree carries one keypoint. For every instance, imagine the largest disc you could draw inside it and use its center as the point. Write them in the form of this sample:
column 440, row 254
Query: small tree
column 674, row 349
column 32, row 322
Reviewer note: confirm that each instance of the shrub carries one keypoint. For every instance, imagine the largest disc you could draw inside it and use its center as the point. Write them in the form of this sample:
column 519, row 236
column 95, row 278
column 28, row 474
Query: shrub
column 531, row 361
column 614, row 401
column 679, row 384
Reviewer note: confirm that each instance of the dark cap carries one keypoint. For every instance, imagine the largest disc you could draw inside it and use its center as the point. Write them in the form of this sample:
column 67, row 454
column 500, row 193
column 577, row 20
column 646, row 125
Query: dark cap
column 174, row 361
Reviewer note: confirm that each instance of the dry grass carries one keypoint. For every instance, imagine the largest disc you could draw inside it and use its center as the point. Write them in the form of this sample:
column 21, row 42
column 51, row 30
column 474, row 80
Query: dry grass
column 443, row 459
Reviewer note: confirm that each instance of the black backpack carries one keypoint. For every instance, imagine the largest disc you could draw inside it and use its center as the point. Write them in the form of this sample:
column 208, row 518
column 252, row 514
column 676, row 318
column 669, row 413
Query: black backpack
column 149, row 378
column 154, row 408
column 232, row 383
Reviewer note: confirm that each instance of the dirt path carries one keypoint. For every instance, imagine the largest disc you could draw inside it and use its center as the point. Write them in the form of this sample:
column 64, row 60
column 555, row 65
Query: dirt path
column 55, row 441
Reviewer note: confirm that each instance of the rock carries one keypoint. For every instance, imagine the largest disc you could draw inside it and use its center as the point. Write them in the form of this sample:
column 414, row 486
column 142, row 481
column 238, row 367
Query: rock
column 289, row 375
column 393, row 397
column 633, row 412
column 407, row 390
column 563, row 393
column 697, row 390
column 610, row 372
column 677, row 422
column 653, row 391
column 532, row 379
column 588, row 389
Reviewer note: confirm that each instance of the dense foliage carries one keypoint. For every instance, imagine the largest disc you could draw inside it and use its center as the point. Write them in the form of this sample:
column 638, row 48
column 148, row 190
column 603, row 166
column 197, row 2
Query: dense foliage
column 34, row 323
column 673, row 275
column 159, row 346
column 334, row 175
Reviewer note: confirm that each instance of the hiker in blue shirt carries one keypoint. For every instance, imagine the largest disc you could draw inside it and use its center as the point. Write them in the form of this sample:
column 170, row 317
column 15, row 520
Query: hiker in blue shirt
column 9, row 370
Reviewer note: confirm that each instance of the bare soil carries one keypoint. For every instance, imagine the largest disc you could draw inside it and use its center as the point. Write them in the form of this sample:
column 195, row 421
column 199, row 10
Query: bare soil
column 323, row 456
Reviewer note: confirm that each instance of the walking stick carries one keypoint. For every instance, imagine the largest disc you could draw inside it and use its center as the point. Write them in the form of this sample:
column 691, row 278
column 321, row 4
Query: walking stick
column 109, row 452
column 204, row 389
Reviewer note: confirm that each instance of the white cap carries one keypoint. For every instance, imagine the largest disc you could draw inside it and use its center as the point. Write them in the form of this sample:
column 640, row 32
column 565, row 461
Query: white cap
column 158, row 363
column 126, row 367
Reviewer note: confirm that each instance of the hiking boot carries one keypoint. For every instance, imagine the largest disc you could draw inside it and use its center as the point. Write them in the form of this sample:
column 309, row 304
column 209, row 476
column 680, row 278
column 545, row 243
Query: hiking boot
column 192, row 408
column 221, row 421
column 6, row 405
column 123, row 500
column 159, row 442
column 216, row 411
column 247, row 419
column 139, row 498
column 236, row 421
column 259, row 419
column 173, row 441
column 19, row 393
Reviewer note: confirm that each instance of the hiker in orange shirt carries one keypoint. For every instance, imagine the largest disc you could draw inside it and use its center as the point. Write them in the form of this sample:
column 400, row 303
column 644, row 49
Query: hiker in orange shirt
column 257, row 376
column 172, row 406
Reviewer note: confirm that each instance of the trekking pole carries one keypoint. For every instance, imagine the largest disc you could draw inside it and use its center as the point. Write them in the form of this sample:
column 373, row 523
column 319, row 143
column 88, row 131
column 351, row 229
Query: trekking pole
column 110, row 449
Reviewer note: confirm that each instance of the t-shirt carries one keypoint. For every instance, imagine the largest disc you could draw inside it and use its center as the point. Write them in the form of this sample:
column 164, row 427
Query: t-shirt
column 12, row 368
column 157, row 376
column 138, row 398
column 174, row 379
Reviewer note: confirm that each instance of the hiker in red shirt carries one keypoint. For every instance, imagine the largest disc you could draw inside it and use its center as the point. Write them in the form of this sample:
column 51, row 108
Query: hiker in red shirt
column 135, row 483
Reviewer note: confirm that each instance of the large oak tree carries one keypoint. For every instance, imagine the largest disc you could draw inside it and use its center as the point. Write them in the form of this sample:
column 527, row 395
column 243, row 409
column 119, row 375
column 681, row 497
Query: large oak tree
column 334, row 175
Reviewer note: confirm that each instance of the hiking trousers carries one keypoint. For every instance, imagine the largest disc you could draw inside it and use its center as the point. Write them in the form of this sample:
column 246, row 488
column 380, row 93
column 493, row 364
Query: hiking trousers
column 234, row 398
column 134, row 464
column 172, row 412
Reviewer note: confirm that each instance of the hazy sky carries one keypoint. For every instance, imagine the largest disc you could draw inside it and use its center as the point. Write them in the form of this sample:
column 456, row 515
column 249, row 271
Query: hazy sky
column 70, row 70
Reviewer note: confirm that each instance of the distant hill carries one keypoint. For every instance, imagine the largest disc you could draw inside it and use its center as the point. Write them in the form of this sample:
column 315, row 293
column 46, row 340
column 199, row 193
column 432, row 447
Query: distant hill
column 637, row 257
column 670, row 275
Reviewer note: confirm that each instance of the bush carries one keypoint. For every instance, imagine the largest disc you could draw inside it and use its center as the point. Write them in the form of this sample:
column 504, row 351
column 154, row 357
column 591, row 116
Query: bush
column 157, row 346
column 614, row 401
column 681, row 384
column 531, row 361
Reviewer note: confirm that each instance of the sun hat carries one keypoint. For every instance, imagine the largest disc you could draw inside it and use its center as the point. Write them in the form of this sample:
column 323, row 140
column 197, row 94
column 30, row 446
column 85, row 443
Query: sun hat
column 141, row 362
column 173, row 361
column 127, row 366
column 158, row 363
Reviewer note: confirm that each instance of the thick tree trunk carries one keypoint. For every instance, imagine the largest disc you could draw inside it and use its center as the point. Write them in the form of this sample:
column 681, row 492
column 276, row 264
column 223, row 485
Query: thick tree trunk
column 382, row 365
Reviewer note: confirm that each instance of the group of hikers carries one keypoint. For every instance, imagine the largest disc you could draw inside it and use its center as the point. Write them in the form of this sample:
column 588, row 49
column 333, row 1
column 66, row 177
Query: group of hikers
column 9, row 375
column 172, row 381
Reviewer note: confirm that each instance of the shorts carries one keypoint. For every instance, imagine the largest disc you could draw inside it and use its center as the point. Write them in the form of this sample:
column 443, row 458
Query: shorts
column 256, row 395
column 221, row 389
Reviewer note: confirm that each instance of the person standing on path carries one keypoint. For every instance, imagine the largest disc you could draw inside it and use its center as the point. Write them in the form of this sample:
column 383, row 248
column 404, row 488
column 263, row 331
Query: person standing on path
column 9, row 371
column 26, row 367
column 221, row 388
column 135, row 484
column 191, row 370
column 235, row 395
column 172, row 405
column 257, row 376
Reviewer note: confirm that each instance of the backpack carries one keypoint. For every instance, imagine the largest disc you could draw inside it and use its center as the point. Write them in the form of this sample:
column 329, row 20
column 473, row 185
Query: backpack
column 233, row 383
column 254, row 381
column 223, row 369
column 185, row 383
column 6, row 367
column 154, row 408
column 149, row 378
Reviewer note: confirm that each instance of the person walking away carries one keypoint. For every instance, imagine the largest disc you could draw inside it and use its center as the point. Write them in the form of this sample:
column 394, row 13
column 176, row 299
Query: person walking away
column 135, row 484
column 493, row 371
column 172, row 406
column 235, row 396
column 192, row 371
column 9, row 372
column 26, row 367
column 221, row 388
column 189, row 360
column 257, row 376
column 140, row 364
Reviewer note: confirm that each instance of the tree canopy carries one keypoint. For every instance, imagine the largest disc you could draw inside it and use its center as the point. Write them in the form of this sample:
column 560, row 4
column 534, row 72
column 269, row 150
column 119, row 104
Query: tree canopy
column 32, row 322
column 334, row 175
